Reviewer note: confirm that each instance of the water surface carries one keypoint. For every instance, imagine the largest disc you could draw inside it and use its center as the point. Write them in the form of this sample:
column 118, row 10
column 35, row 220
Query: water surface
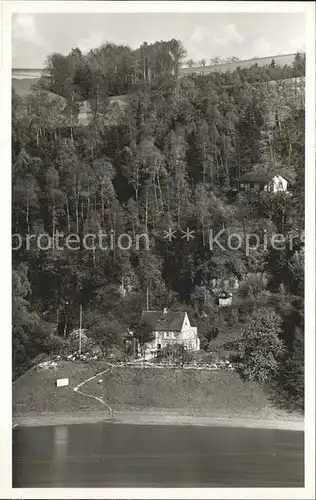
column 119, row 455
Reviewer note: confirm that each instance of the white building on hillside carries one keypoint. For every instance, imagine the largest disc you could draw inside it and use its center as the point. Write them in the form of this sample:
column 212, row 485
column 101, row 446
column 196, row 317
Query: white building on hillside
column 254, row 181
column 171, row 327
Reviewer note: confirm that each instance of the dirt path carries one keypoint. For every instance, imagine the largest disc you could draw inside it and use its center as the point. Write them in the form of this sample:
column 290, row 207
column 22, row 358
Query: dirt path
column 76, row 389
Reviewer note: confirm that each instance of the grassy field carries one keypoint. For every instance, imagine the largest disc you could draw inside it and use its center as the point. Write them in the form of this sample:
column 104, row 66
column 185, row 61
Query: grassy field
column 36, row 392
column 194, row 391
column 191, row 392
column 23, row 86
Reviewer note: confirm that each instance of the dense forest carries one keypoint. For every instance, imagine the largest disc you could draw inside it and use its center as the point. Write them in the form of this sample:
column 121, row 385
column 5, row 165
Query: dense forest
column 170, row 158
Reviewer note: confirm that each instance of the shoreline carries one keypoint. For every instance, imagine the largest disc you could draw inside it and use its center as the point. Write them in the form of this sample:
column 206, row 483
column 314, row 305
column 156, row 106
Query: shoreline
column 138, row 417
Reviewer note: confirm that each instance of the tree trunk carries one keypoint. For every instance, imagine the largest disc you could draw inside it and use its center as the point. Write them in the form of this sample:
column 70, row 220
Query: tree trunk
column 82, row 210
column 244, row 228
column 136, row 199
column 155, row 194
column 102, row 203
column 77, row 215
column 217, row 170
column 179, row 205
column 290, row 154
column 68, row 215
column 160, row 194
column 282, row 221
column 227, row 174
column 146, row 213
column 27, row 216
column 203, row 229
column 54, row 227
column 88, row 203
column 133, row 228
column 114, row 233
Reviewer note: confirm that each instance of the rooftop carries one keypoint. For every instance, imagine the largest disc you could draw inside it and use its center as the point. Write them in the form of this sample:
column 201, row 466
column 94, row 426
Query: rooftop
column 259, row 177
column 164, row 321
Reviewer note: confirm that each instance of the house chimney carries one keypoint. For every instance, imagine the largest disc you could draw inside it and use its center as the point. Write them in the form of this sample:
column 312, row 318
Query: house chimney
column 165, row 310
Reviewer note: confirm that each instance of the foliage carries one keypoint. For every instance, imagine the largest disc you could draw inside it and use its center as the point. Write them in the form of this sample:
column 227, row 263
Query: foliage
column 28, row 338
column 292, row 374
column 171, row 157
column 289, row 382
column 105, row 331
column 175, row 353
column 72, row 343
column 110, row 70
column 144, row 333
column 260, row 347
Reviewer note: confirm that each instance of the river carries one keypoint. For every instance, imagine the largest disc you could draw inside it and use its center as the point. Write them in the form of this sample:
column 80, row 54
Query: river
column 119, row 455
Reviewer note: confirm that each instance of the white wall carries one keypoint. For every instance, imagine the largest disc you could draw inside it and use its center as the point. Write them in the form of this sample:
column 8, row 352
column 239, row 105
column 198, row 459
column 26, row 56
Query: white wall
column 279, row 184
column 187, row 336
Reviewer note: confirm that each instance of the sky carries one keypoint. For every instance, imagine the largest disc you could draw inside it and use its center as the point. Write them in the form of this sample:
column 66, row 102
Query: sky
column 244, row 35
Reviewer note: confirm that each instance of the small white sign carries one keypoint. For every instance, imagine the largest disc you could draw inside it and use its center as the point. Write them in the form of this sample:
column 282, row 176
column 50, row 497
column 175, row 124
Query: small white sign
column 62, row 382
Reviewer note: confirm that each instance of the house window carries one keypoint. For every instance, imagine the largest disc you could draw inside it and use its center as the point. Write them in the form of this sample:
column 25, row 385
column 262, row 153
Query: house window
column 247, row 186
column 242, row 185
column 256, row 186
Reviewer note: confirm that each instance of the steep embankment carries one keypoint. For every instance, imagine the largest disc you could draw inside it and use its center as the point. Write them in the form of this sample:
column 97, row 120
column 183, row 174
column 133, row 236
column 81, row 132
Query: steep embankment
column 148, row 396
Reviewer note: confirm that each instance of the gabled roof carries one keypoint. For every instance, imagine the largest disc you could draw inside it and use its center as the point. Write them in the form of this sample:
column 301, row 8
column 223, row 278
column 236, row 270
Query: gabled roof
column 224, row 295
column 261, row 178
column 171, row 321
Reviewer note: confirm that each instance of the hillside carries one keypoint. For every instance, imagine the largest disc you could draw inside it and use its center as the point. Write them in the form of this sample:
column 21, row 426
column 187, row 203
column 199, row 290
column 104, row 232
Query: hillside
column 282, row 60
column 23, row 86
column 124, row 206
column 21, row 79
column 130, row 392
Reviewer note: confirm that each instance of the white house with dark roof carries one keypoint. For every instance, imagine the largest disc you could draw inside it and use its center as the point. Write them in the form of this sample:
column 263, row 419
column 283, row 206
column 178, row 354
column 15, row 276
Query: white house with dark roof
column 255, row 181
column 171, row 327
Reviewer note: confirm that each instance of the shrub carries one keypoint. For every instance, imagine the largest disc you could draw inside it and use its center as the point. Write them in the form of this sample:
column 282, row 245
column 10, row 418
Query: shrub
column 291, row 377
column 260, row 348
